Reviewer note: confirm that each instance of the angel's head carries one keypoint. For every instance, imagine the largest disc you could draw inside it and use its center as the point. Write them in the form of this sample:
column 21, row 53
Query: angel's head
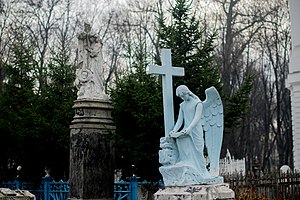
column 184, row 93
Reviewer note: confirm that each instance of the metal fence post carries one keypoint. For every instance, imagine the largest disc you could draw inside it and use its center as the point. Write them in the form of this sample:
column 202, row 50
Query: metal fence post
column 134, row 188
column 18, row 183
column 47, row 191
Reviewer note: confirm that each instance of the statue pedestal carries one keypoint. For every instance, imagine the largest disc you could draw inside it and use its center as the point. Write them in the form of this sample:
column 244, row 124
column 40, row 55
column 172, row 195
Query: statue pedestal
column 195, row 192
column 91, row 151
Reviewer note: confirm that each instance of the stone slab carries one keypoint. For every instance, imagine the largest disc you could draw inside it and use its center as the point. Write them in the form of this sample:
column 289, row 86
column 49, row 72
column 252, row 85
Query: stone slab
column 8, row 194
column 196, row 192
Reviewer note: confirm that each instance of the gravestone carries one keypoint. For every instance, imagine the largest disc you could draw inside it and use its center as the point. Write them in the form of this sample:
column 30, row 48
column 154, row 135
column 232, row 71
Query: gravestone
column 293, row 79
column 184, row 169
column 91, row 144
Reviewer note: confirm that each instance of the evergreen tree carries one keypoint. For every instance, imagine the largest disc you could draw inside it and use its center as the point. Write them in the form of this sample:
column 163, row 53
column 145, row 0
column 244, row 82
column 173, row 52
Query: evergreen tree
column 18, row 116
column 137, row 101
column 137, row 96
column 56, row 107
column 34, row 127
column 191, row 48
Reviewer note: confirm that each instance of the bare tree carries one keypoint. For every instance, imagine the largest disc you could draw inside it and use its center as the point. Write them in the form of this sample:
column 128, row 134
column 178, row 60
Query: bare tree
column 5, row 15
column 275, row 42
column 44, row 18
column 255, row 40
column 242, row 22
column 131, row 29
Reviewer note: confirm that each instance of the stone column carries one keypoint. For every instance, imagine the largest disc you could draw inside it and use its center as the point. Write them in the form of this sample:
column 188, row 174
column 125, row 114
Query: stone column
column 294, row 79
column 91, row 151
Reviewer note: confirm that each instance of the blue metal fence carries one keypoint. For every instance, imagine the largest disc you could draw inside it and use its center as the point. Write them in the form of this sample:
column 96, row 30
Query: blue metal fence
column 127, row 190
column 52, row 190
column 47, row 190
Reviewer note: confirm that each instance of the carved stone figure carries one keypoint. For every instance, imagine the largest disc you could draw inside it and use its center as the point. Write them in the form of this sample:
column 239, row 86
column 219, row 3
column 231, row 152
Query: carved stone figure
column 89, row 75
column 182, row 153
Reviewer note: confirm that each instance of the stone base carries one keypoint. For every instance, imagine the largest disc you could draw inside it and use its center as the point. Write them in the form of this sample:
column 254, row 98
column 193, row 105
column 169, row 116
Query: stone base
column 92, row 151
column 196, row 192
column 182, row 175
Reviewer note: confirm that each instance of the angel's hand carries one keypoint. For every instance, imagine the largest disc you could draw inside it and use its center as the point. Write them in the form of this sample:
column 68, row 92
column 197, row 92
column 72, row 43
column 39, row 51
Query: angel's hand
column 171, row 133
column 176, row 134
column 185, row 132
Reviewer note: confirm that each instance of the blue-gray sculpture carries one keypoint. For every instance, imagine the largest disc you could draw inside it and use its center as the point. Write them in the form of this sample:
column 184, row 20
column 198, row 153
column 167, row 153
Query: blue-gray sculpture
column 182, row 153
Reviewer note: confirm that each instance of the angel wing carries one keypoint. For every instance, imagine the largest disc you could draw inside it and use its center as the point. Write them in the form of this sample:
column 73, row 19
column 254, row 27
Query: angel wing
column 212, row 122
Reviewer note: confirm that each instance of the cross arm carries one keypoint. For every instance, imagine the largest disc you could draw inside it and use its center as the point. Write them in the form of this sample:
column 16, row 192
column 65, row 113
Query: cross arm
column 155, row 69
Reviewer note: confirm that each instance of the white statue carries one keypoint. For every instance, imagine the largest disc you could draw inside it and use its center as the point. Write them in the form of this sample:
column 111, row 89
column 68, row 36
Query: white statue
column 89, row 75
column 182, row 153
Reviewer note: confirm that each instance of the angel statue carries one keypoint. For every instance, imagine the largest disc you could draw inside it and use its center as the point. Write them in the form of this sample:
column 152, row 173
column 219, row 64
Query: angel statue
column 89, row 75
column 182, row 153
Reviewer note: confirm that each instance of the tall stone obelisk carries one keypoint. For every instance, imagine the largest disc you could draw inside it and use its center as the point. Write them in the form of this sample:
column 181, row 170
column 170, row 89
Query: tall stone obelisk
column 294, row 79
column 91, row 143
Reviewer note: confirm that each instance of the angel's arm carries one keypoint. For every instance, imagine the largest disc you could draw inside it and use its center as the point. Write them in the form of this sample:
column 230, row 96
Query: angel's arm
column 197, row 117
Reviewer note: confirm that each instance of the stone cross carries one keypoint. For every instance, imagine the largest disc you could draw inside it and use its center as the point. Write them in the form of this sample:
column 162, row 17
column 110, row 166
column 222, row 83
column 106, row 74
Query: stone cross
column 167, row 71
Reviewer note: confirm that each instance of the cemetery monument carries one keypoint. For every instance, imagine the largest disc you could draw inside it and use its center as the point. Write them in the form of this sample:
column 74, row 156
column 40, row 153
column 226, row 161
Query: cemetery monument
column 185, row 173
column 91, row 144
column 89, row 74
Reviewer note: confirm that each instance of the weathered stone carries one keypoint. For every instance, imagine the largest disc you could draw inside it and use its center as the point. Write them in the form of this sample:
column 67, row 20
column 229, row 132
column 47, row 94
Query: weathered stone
column 91, row 114
column 89, row 74
column 195, row 192
column 8, row 194
column 91, row 151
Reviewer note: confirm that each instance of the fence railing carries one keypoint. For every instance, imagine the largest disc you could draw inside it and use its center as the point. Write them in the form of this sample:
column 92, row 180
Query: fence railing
column 269, row 186
column 47, row 190
column 126, row 190
column 52, row 190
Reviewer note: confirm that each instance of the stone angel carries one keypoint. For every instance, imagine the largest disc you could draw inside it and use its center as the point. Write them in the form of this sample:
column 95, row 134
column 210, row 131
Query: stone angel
column 185, row 144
